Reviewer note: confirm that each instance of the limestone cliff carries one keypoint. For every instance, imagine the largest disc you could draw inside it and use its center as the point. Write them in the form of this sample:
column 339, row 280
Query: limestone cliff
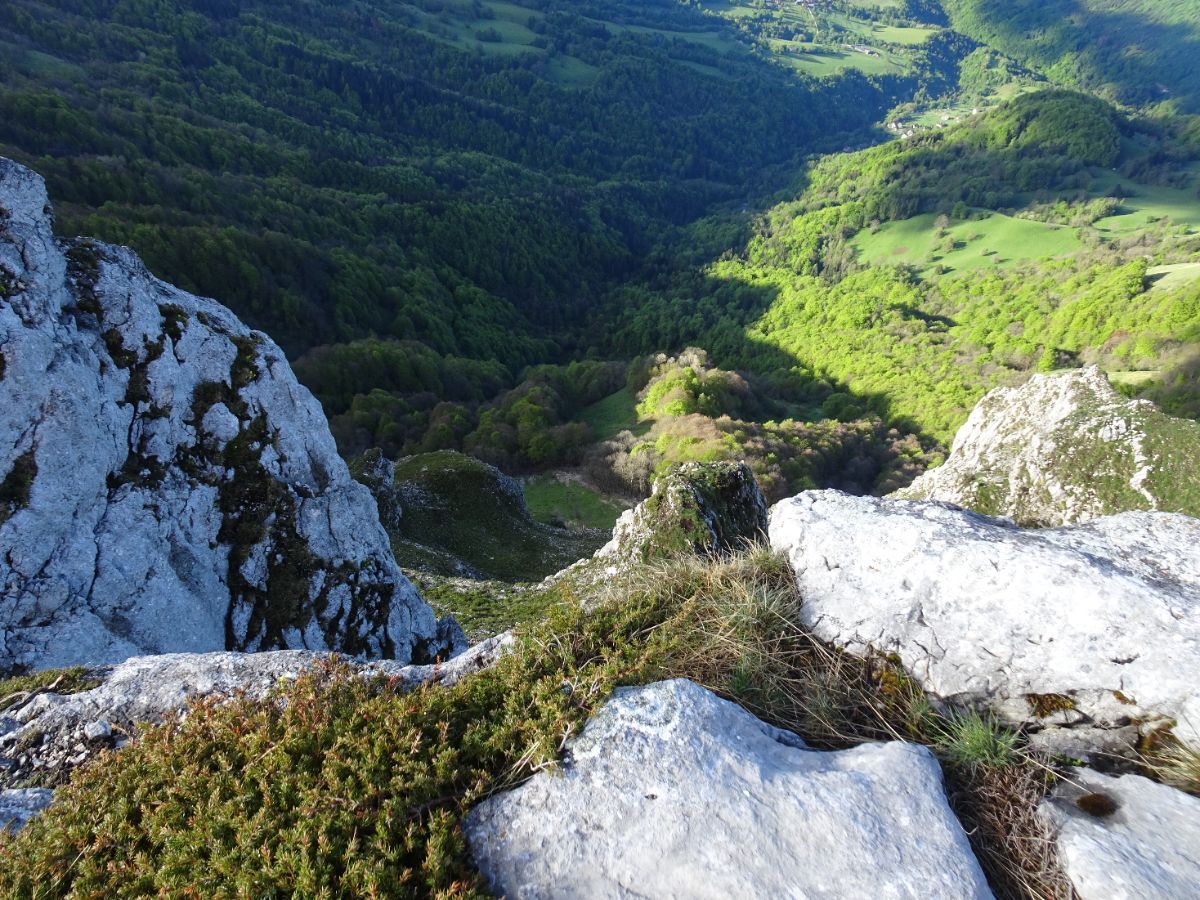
column 165, row 482
column 1067, row 448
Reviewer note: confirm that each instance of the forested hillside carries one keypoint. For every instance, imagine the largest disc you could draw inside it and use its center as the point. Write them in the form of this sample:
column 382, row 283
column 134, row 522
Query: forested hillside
column 1135, row 51
column 615, row 235
column 469, row 175
column 910, row 278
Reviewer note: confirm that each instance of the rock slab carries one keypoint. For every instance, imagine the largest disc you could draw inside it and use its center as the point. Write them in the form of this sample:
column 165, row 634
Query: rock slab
column 673, row 792
column 1146, row 844
column 20, row 805
column 165, row 482
column 49, row 734
column 1095, row 624
column 1067, row 448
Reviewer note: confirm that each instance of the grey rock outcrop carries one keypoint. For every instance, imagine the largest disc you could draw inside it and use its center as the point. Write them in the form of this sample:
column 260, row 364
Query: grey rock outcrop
column 1092, row 626
column 49, row 734
column 19, row 805
column 673, row 792
column 695, row 508
column 1125, row 838
column 1067, row 448
column 167, row 485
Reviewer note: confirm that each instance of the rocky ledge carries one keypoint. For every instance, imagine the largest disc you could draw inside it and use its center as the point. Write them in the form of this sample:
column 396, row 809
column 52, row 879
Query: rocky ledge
column 1091, row 628
column 165, row 483
column 46, row 735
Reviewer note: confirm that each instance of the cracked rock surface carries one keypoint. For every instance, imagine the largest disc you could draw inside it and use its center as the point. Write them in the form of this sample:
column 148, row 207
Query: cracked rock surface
column 1140, row 840
column 672, row 792
column 1088, row 626
column 165, row 483
column 48, row 735
column 1067, row 448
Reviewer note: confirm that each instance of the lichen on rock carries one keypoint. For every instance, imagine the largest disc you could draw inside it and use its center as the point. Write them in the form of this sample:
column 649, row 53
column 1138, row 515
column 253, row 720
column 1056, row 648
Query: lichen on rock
column 167, row 483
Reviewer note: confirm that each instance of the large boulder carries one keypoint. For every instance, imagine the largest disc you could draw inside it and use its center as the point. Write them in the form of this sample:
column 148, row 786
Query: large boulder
column 1125, row 838
column 1089, row 626
column 165, row 483
column 1067, row 448
column 673, row 792
column 702, row 508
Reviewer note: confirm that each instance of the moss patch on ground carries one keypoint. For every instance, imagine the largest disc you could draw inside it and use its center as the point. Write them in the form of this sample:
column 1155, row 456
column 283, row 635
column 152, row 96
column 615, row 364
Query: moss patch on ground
column 484, row 608
column 553, row 500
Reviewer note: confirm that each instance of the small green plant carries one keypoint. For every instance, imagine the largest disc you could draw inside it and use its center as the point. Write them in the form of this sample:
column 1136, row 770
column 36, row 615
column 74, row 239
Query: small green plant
column 974, row 741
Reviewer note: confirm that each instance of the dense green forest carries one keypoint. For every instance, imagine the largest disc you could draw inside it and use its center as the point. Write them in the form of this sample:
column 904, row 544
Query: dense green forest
column 613, row 235
column 334, row 171
column 1134, row 51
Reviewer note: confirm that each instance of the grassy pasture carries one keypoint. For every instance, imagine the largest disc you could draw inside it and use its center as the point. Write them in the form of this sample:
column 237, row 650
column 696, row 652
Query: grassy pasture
column 550, row 498
column 993, row 241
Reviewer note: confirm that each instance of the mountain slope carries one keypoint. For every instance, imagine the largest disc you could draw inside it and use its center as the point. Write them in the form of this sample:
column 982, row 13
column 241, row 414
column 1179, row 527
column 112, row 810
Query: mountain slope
column 1135, row 51
column 466, row 174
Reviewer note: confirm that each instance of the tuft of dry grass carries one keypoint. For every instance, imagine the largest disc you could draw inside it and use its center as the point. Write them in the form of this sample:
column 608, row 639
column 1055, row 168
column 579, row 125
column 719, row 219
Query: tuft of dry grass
column 1176, row 764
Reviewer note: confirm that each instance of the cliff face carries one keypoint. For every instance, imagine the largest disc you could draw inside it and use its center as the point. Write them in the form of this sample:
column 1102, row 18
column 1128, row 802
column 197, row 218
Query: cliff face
column 1067, row 448
column 165, row 483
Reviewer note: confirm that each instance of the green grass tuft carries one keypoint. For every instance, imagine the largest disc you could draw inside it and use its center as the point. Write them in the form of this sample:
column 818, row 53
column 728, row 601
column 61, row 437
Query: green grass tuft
column 974, row 741
column 61, row 681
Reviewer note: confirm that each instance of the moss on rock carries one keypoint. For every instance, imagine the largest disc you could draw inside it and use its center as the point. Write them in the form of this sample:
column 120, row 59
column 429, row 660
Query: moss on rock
column 17, row 485
column 700, row 508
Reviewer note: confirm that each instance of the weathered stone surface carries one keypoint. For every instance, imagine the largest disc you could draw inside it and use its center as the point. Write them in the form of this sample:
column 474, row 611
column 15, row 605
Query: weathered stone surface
column 1067, row 448
column 1149, row 846
column 698, row 508
column 1091, row 625
column 49, row 734
column 18, row 806
column 167, row 484
column 673, row 792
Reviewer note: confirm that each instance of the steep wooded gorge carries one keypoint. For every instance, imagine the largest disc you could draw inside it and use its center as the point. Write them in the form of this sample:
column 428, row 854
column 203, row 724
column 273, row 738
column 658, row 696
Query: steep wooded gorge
column 633, row 448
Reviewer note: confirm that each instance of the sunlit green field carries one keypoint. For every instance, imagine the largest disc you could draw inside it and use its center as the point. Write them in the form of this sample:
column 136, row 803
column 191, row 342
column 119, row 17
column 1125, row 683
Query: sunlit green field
column 1145, row 205
column 612, row 415
column 1165, row 278
column 997, row 240
column 552, row 500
